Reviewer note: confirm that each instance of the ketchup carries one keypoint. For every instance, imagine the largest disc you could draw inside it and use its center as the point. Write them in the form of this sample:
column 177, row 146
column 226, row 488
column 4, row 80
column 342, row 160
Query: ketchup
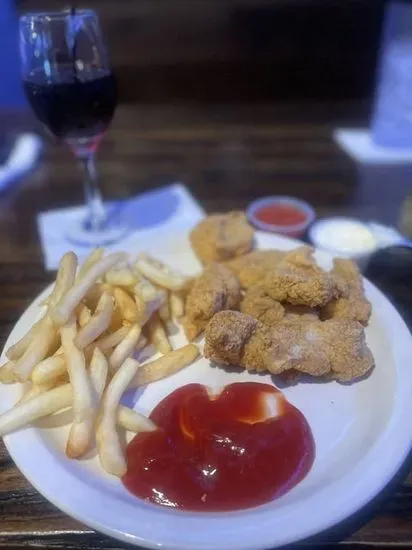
column 216, row 453
column 280, row 214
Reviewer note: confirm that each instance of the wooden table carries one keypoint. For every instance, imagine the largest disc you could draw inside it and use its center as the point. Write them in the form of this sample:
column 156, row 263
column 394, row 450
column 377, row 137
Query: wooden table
column 227, row 156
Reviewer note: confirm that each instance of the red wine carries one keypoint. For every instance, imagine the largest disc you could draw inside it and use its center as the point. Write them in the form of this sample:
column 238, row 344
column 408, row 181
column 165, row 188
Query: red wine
column 74, row 109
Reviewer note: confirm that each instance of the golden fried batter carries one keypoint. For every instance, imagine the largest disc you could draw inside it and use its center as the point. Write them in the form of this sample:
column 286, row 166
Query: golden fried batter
column 233, row 338
column 300, row 314
column 298, row 280
column 335, row 348
column 349, row 354
column 251, row 268
column 221, row 237
column 237, row 339
column 354, row 305
column 216, row 289
column 258, row 304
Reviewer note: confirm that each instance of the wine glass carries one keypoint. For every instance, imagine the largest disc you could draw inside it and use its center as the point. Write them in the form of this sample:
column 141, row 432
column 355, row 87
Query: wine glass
column 72, row 90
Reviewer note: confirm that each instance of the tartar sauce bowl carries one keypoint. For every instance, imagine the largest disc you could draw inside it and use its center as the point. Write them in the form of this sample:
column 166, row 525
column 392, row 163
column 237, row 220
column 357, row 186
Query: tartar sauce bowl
column 345, row 237
column 281, row 214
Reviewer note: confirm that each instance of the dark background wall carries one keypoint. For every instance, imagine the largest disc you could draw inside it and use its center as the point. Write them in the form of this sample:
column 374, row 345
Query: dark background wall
column 239, row 50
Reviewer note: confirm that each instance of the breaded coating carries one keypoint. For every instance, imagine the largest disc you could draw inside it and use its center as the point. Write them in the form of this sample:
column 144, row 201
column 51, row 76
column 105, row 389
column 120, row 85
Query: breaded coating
column 298, row 280
column 258, row 304
column 349, row 354
column 354, row 306
column 300, row 314
column 233, row 338
column 214, row 290
column 335, row 348
column 302, row 349
column 221, row 237
column 251, row 268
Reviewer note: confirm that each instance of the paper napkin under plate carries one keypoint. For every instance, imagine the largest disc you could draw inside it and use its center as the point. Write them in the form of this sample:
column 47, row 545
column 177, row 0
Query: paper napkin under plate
column 149, row 215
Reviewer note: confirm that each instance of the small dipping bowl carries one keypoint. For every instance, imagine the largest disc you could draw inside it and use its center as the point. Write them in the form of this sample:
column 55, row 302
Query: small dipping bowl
column 345, row 237
column 279, row 214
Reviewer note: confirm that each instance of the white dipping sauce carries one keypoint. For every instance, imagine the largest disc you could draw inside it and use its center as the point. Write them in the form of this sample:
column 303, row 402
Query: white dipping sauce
column 345, row 236
column 351, row 238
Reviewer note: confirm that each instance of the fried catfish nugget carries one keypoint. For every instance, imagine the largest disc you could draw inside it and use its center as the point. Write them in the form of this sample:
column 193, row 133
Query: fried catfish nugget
column 354, row 305
column 221, row 237
column 252, row 268
column 300, row 314
column 258, row 304
column 335, row 348
column 216, row 289
column 348, row 352
column 234, row 338
column 298, row 280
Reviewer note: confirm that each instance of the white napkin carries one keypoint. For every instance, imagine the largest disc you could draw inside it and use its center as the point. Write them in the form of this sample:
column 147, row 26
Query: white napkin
column 359, row 145
column 152, row 214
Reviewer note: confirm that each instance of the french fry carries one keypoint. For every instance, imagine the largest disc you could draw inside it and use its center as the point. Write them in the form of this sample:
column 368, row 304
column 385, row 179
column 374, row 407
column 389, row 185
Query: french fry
column 144, row 288
column 61, row 398
column 145, row 312
column 94, row 256
column 81, row 431
column 165, row 366
column 123, row 277
column 192, row 330
column 45, row 302
column 164, row 309
column 177, row 305
column 98, row 323
column 147, row 296
column 95, row 293
column 111, row 340
column 32, row 392
column 160, row 274
column 38, row 407
column 122, row 298
column 7, row 375
column 133, row 421
column 38, row 349
column 64, row 309
column 157, row 335
column 142, row 310
column 155, row 304
column 141, row 343
column 83, row 314
column 111, row 454
column 48, row 370
column 16, row 350
column 117, row 320
column 126, row 305
column 37, row 389
column 98, row 371
column 125, row 348
column 65, row 278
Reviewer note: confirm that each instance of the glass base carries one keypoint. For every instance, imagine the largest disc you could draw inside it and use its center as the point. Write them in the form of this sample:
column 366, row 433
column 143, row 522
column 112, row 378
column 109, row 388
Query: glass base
column 79, row 234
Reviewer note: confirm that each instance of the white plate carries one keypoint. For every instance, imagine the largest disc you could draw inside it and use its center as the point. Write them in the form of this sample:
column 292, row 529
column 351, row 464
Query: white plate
column 362, row 433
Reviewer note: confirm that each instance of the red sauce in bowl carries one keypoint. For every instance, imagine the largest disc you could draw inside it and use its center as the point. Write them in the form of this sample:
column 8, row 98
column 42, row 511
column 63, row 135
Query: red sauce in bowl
column 219, row 453
column 281, row 215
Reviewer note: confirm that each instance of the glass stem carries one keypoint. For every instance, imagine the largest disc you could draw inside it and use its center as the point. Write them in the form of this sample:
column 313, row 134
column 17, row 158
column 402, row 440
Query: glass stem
column 97, row 217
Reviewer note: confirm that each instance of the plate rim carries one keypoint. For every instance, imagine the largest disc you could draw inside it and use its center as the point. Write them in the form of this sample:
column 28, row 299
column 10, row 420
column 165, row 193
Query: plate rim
column 267, row 538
